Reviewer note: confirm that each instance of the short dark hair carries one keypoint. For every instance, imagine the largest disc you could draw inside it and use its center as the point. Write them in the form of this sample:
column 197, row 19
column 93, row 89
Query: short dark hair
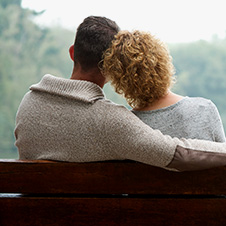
column 93, row 37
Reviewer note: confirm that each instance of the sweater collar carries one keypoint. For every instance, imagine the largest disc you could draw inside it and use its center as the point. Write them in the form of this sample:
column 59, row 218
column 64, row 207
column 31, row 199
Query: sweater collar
column 76, row 89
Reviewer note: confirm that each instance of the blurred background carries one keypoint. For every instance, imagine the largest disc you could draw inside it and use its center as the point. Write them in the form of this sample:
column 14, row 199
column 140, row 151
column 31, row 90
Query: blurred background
column 35, row 36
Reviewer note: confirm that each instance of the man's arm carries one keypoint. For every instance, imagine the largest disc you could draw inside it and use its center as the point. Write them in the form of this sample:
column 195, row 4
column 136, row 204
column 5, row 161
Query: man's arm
column 186, row 159
column 131, row 139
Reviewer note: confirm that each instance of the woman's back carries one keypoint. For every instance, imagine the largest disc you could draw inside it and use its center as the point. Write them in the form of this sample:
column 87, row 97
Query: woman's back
column 196, row 118
column 140, row 67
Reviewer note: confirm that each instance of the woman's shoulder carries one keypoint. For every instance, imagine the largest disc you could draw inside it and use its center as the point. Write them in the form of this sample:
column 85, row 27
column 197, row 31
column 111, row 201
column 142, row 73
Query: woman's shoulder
column 198, row 102
column 187, row 106
column 199, row 106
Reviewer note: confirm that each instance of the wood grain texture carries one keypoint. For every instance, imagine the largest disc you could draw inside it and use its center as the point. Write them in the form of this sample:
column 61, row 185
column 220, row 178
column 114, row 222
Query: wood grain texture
column 108, row 211
column 115, row 177
column 90, row 194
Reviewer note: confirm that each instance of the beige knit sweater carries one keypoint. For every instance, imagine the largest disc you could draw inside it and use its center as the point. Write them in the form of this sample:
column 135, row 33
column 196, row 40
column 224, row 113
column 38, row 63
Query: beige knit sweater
column 70, row 120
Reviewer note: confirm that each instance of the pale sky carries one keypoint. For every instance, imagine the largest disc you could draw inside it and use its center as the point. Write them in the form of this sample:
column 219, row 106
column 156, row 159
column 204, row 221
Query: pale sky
column 170, row 20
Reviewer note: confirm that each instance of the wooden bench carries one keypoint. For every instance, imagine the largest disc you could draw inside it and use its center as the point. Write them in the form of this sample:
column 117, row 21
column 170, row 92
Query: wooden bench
column 109, row 193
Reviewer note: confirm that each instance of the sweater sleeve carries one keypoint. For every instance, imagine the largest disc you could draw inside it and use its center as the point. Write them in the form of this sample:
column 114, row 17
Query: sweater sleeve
column 216, row 125
column 131, row 139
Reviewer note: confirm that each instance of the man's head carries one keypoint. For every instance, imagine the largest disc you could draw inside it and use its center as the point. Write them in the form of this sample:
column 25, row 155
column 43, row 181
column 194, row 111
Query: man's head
column 93, row 37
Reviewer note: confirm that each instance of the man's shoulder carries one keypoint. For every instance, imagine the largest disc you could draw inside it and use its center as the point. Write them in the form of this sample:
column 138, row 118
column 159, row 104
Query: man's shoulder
column 108, row 105
column 114, row 112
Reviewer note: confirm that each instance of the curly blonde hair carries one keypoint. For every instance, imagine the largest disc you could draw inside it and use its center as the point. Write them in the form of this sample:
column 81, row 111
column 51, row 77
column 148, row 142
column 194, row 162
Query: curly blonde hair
column 139, row 67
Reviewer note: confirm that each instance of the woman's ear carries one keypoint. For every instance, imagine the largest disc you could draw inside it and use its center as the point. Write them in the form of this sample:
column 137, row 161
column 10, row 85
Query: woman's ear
column 71, row 51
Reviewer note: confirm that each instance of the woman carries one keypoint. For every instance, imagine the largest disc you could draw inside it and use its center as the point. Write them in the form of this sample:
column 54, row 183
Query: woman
column 140, row 67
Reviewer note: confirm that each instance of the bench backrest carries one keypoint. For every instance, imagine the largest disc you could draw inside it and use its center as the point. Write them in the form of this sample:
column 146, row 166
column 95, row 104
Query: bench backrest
column 115, row 177
column 109, row 193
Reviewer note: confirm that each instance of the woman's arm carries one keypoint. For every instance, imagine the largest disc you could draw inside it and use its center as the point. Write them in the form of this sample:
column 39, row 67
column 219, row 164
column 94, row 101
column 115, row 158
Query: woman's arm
column 216, row 125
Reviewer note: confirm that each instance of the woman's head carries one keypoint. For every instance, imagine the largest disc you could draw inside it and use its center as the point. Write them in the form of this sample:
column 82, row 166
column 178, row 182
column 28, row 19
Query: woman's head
column 139, row 67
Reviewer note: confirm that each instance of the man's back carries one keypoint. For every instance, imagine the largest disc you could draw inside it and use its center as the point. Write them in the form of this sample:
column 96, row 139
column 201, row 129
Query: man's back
column 62, row 121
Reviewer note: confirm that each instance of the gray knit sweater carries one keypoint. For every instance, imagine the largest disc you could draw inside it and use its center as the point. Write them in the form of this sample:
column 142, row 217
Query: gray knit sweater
column 70, row 120
column 191, row 117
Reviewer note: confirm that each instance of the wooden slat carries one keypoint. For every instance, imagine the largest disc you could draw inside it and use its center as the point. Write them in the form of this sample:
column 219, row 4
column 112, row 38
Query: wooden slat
column 108, row 211
column 117, row 177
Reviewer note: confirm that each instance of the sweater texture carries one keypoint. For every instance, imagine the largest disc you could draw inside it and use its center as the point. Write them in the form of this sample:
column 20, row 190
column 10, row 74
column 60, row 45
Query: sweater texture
column 191, row 117
column 70, row 120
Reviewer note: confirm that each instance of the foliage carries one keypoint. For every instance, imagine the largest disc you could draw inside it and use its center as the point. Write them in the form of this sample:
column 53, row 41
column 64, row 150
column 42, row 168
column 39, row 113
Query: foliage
column 6, row 3
column 27, row 52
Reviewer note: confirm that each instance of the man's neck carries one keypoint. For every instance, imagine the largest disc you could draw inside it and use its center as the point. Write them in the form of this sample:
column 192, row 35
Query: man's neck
column 93, row 75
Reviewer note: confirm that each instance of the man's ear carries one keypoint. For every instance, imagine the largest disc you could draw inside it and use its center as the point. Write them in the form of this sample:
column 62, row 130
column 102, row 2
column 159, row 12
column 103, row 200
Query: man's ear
column 71, row 51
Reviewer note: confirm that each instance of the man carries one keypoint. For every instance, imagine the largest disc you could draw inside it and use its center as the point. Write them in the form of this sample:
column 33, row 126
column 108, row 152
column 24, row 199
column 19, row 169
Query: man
column 70, row 120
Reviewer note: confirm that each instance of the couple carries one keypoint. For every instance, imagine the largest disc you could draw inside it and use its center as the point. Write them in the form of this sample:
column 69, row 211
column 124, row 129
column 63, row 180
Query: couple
column 70, row 119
